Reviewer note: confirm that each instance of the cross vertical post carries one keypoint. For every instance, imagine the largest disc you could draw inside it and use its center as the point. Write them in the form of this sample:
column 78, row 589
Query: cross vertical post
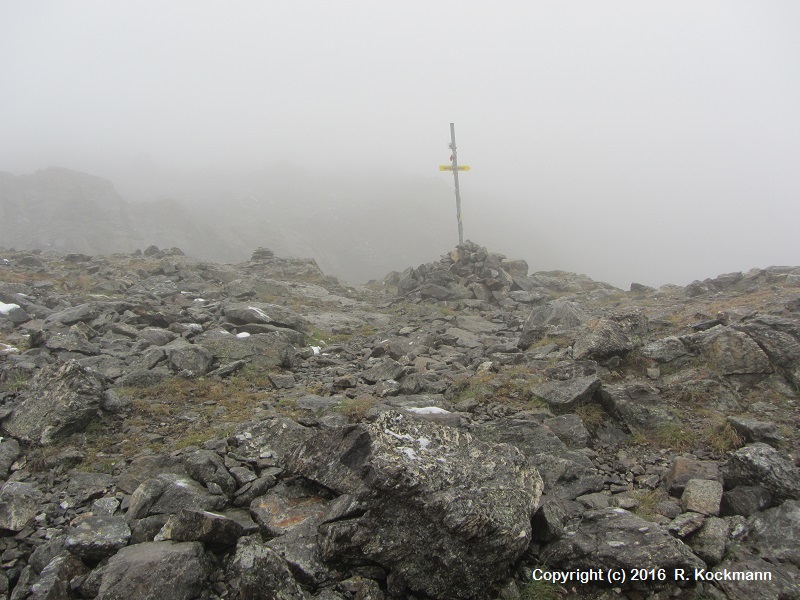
column 455, row 178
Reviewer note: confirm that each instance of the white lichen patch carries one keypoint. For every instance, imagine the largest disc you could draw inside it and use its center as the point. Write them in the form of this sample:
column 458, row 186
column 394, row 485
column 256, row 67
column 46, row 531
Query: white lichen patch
column 260, row 313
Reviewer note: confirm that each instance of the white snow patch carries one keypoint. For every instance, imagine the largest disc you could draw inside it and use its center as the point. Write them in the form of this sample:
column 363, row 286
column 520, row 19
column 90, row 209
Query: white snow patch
column 409, row 452
column 429, row 410
column 316, row 349
column 6, row 349
column 7, row 308
column 199, row 300
column 243, row 334
column 399, row 436
column 259, row 312
column 422, row 441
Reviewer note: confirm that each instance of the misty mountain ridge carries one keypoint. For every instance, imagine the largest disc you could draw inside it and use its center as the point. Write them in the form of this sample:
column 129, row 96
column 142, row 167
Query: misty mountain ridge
column 348, row 232
column 356, row 229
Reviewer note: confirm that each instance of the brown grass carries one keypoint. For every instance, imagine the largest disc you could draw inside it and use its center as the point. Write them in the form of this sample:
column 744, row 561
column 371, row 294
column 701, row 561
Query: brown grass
column 356, row 408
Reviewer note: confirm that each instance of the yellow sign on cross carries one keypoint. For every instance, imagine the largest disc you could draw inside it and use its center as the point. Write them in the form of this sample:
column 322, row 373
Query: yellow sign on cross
column 450, row 168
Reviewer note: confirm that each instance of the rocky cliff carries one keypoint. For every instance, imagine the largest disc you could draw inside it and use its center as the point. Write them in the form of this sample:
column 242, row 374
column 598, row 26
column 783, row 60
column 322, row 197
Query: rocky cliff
column 463, row 429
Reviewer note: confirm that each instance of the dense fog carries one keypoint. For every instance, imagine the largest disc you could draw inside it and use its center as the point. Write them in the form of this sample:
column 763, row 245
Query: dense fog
column 629, row 141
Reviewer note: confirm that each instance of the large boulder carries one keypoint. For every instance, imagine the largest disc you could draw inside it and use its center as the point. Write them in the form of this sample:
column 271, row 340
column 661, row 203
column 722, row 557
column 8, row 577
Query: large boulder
column 638, row 405
column 19, row 503
column 155, row 570
column 566, row 396
column 760, row 464
column 556, row 318
column 265, row 314
column 262, row 350
column 601, row 339
column 257, row 571
column 565, row 473
column 169, row 494
column 418, row 485
column 191, row 359
column 61, row 401
column 613, row 538
column 730, row 352
column 779, row 338
column 774, row 533
column 95, row 537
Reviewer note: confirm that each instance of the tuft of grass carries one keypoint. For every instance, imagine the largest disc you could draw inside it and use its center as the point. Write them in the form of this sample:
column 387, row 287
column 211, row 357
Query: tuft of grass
column 475, row 386
column 592, row 416
column 356, row 408
column 648, row 500
column 560, row 341
column 722, row 437
column 674, row 436
column 320, row 337
column 198, row 438
column 16, row 382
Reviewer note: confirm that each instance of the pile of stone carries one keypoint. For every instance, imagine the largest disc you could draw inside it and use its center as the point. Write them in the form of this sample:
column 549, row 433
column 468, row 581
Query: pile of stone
column 470, row 272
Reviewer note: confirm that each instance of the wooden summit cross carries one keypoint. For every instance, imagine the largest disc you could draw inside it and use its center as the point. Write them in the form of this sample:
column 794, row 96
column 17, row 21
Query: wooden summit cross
column 455, row 168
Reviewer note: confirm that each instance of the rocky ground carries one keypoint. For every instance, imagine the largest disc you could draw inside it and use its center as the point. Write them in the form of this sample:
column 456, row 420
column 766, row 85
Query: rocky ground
column 175, row 428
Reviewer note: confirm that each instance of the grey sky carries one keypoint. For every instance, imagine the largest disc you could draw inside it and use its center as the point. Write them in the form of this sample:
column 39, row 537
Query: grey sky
column 628, row 140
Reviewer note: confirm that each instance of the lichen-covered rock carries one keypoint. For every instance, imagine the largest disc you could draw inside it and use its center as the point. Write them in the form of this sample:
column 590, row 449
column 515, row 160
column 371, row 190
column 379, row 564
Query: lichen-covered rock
column 613, row 538
column 154, row 571
column 262, row 313
column 745, row 500
column 566, row 396
column 53, row 582
column 62, row 400
column 190, row 358
column 711, row 541
column 201, row 526
column 207, row 467
column 383, row 369
column 774, row 533
column 760, row 464
column 664, row 350
column 767, row 580
column 263, row 350
column 779, row 338
column 565, row 473
column 467, row 503
column 168, row 494
column 556, row 318
column 702, row 496
column 19, row 503
column 730, row 352
column 684, row 469
column 95, row 537
column 601, row 339
column 638, row 405
column 9, row 452
column 257, row 571
column 285, row 507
